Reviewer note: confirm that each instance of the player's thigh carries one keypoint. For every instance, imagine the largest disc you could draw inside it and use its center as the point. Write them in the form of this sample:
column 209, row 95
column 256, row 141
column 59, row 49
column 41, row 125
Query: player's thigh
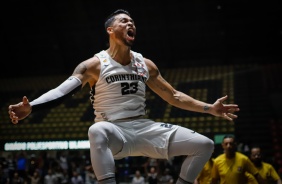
column 106, row 133
column 185, row 141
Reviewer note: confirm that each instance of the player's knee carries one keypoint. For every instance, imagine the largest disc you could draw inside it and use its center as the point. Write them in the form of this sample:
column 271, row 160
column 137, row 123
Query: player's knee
column 208, row 146
column 97, row 135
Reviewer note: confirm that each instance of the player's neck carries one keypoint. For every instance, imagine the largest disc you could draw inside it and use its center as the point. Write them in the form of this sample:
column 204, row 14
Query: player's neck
column 230, row 155
column 120, row 54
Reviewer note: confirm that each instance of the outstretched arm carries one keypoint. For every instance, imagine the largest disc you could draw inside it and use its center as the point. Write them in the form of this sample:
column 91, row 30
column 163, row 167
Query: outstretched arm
column 178, row 99
column 50, row 99
column 85, row 72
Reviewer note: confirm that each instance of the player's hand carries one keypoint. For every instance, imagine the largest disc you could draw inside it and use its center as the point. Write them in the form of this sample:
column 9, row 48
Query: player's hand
column 224, row 110
column 19, row 111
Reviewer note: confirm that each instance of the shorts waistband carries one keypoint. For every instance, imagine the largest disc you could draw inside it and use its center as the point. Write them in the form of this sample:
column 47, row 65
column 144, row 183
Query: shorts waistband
column 129, row 118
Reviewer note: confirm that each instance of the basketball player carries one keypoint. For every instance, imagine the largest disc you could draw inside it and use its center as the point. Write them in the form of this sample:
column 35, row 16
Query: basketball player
column 119, row 76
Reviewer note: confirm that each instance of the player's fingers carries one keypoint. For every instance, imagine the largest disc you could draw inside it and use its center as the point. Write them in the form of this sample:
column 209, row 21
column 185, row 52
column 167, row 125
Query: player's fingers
column 14, row 121
column 231, row 105
column 233, row 116
column 229, row 116
column 232, row 110
column 12, row 116
column 222, row 99
column 25, row 100
column 10, row 107
column 225, row 116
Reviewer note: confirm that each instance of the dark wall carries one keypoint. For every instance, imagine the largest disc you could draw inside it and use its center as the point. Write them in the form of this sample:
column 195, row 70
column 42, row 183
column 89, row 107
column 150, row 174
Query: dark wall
column 52, row 37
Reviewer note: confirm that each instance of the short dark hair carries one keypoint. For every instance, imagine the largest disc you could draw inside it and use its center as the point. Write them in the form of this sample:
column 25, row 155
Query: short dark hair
column 255, row 146
column 229, row 136
column 110, row 19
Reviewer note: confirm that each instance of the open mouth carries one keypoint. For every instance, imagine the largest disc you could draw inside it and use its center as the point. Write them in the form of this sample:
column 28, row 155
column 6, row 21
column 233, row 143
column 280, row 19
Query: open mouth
column 130, row 33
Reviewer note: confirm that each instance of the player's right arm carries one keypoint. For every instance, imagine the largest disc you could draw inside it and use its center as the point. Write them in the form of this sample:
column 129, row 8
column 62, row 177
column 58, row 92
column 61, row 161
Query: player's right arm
column 86, row 72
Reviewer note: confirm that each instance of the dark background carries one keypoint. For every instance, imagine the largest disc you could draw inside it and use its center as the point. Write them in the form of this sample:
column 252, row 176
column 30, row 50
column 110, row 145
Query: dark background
column 41, row 38
column 52, row 37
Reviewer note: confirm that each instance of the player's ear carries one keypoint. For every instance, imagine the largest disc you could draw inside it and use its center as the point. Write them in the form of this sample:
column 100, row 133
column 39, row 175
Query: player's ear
column 110, row 30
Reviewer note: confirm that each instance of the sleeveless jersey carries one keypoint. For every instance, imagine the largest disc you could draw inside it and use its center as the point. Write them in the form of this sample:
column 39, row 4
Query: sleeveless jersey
column 120, row 90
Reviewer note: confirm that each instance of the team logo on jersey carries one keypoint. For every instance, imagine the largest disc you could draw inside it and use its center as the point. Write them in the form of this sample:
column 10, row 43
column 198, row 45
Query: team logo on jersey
column 140, row 69
column 166, row 125
column 138, row 65
column 239, row 169
column 106, row 62
column 125, row 77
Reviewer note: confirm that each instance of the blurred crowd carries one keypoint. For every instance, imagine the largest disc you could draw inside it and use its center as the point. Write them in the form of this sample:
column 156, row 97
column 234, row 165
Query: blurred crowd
column 74, row 167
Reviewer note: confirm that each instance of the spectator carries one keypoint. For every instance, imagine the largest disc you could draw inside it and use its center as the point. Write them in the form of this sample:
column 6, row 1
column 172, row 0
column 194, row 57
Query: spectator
column 90, row 177
column 230, row 167
column 266, row 170
column 22, row 165
column 138, row 178
column 152, row 176
column 63, row 160
column 35, row 178
column 65, row 177
column 76, row 178
column 166, row 177
column 17, row 179
column 11, row 163
column 50, row 178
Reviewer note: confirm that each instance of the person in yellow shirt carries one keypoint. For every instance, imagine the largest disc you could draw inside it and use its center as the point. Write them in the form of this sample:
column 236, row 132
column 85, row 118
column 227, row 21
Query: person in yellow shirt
column 250, row 178
column 266, row 170
column 231, row 166
column 204, row 177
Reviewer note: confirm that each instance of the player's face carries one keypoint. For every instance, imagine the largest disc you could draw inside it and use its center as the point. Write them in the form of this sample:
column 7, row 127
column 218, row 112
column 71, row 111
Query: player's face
column 255, row 155
column 228, row 145
column 124, row 29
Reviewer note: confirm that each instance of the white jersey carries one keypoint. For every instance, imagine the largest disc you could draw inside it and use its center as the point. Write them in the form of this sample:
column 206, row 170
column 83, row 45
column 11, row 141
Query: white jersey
column 120, row 90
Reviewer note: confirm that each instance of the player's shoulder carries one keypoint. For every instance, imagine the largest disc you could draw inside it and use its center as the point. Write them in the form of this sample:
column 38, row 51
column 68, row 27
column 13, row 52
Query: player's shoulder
column 219, row 158
column 241, row 155
column 97, row 58
column 93, row 61
column 265, row 164
column 138, row 54
column 100, row 55
column 152, row 67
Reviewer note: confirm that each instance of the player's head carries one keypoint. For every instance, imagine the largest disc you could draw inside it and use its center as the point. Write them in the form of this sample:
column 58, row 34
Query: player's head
column 229, row 144
column 110, row 19
column 256, row 155
column 120, row 28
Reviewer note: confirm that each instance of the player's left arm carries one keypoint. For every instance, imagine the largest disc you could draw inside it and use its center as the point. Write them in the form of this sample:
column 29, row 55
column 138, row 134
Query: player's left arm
column 181, row 100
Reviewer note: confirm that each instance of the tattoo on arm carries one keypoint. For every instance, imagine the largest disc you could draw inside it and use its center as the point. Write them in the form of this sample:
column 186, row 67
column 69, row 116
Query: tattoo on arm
column 159, row 77
column 80, row 69
column 162, row 79
column 206, row 108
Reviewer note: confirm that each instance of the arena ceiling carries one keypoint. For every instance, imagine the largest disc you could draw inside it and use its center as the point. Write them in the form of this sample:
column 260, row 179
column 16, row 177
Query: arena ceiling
column 52, row 37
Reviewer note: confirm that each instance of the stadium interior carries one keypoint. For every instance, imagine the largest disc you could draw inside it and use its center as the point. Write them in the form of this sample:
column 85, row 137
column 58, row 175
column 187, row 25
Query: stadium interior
column 205, row 49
